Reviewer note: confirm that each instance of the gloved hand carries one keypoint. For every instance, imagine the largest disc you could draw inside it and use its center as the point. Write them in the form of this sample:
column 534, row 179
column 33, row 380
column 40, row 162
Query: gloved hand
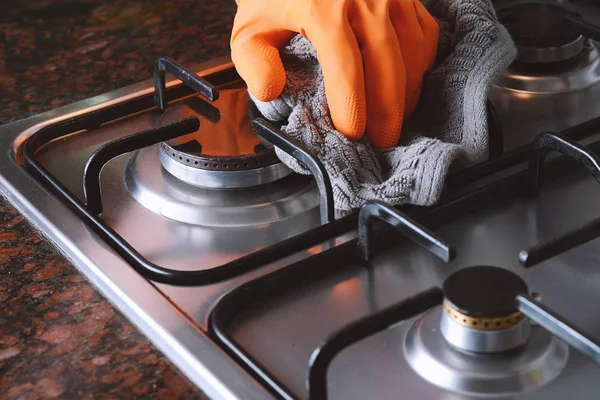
column 373, row 54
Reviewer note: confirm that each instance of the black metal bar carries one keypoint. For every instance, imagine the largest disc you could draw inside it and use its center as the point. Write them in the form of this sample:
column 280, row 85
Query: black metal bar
column 403, row 224
column 204, row 108
column 576, row 24
column 188, row 78
column 542, row 252
column 117, row 147
column 516, row 156
column 495, row 131
column 558, row 326
column 147, row 269
column 322, row 356
column 305, row 156
column 158, row 273
column 264, row 288
column 542, row 144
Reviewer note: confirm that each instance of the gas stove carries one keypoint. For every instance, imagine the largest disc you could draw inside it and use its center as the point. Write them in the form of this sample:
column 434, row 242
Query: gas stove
column 169, row 197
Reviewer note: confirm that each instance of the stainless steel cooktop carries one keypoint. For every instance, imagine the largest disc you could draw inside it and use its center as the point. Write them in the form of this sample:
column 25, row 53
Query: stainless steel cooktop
column 236, row 269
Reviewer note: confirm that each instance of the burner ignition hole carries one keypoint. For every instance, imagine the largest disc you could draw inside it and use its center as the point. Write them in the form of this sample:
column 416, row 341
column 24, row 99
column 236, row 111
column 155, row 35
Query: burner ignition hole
column 206, row 164
column 196, row 162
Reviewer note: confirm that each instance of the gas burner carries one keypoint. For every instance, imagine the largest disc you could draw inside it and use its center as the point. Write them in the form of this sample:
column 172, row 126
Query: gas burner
column 478, row 342
column 175, row 199
column 553, row 56
column 480, row 313
column 225, row 152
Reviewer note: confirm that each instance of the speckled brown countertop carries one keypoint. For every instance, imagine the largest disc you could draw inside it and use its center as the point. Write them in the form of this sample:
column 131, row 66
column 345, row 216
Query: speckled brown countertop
column 59, row 338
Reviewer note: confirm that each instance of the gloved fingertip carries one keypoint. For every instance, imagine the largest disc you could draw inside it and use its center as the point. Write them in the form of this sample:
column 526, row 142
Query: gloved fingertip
column 259, row 64
column 350, row 119
column 274, row 79
column 385, row 130
column 352, row 135
column 266, row 93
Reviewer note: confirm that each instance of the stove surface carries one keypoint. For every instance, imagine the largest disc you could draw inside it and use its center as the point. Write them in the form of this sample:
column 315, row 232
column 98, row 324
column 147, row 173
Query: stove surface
column 186, row 227
column 282, row 331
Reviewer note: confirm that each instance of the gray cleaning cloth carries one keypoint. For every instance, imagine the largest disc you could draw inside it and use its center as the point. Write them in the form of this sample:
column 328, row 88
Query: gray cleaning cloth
column 449, row 125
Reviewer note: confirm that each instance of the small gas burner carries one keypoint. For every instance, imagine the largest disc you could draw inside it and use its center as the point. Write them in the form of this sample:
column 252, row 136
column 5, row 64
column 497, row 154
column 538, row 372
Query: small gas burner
column 480, row 313
column 479, row 342
column 225, row 152
column 552, row 55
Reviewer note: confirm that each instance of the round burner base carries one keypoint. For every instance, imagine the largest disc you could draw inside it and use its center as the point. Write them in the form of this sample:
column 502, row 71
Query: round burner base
column 584, row 74
column 160, row 192
column 490, row 375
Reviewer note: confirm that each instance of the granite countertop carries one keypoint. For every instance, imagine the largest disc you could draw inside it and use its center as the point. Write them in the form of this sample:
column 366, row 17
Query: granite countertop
column 58, row 336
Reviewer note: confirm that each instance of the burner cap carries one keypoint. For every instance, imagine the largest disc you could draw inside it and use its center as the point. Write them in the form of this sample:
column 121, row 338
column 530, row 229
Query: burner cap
column 483, row 292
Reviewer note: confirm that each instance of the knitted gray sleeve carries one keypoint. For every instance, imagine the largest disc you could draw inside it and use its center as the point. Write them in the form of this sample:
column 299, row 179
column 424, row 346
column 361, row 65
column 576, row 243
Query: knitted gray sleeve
column 448, row 125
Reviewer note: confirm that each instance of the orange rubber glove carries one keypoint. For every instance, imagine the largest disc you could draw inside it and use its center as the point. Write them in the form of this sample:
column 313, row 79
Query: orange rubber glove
column 373, row 54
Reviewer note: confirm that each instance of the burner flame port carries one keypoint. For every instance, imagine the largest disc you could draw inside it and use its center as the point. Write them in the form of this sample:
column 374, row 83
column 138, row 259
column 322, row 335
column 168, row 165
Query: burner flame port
column 479, row 313
column 514, row 333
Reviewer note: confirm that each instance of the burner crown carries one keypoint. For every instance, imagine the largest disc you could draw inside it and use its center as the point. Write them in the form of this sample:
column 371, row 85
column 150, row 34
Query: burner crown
column 483, row 291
